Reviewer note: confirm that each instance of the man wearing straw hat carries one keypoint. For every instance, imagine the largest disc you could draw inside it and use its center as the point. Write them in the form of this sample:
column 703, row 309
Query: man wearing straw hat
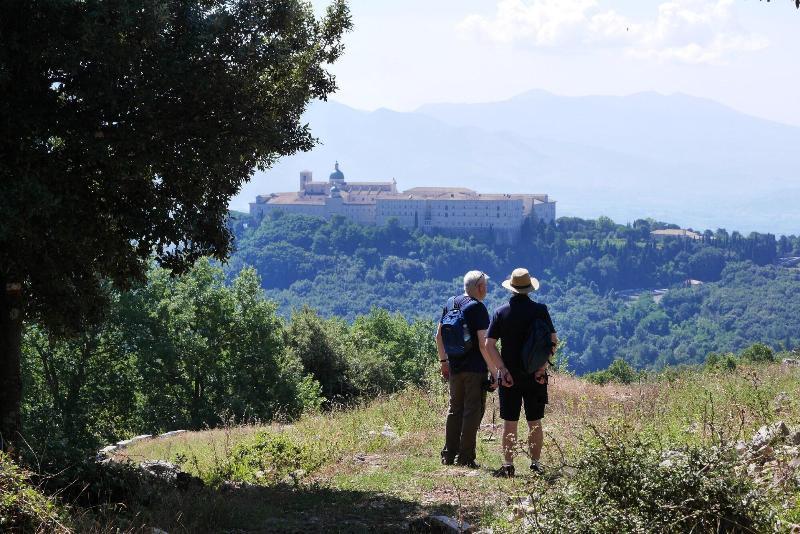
column 511, row 324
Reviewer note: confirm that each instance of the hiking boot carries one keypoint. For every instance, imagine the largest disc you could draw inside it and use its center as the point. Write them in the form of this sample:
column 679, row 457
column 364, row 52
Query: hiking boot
column 504, row 471
column 472, row 464
column 537, row 468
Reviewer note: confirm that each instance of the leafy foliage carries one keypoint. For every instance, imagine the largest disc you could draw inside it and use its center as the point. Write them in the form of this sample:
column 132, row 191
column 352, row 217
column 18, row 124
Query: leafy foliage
column 23, row 508
column 598, row 281
column 269, row 458
column 619, row 371
column 134, row 124
column 625, row 482
column 125, row 134
column 193, row 351
column 175, row 352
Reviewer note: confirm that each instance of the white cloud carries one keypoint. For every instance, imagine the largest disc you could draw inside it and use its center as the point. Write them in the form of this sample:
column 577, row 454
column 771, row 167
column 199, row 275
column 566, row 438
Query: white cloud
column 690, row 31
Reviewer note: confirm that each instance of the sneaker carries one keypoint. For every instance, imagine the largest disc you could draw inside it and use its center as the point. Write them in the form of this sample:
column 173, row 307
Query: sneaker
column 472, row 464
column 537, row 468
column 504, row 471
column 447, row 460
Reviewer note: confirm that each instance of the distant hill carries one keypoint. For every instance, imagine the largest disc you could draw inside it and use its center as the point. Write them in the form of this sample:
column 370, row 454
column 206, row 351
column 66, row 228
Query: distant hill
column 589, row 270
column 675, row 157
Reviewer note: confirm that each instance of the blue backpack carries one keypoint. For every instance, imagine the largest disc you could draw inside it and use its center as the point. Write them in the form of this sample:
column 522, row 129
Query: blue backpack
column 456, row 336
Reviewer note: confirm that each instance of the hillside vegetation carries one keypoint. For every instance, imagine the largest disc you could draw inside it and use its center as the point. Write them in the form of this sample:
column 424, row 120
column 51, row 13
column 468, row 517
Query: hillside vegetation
column 657, row 455
column 588, row 268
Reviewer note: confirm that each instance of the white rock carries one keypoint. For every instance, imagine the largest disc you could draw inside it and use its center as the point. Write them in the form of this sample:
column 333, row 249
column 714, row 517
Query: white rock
column 388, row 432
column 171, row 433
column 107, row 449
column 442, row 523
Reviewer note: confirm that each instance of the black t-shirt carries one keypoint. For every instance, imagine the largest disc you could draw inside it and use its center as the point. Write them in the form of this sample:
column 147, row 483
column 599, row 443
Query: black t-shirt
column 477, row 318
column 511, row 323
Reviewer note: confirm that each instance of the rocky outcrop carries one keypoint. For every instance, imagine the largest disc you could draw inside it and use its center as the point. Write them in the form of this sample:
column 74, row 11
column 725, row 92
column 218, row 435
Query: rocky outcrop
column 170, row 473
column 772, row 459
column 440, row 524
column 109, row 450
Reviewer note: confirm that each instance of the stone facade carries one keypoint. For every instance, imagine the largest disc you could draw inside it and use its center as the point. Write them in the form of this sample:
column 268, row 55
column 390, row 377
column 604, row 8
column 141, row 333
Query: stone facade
column 427, row 208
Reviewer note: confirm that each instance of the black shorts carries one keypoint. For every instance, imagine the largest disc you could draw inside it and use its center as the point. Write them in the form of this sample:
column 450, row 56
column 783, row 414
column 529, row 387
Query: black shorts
column 524, row 390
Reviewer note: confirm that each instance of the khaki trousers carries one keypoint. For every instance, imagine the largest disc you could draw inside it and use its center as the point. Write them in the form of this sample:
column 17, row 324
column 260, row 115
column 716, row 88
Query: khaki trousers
column 467, row 403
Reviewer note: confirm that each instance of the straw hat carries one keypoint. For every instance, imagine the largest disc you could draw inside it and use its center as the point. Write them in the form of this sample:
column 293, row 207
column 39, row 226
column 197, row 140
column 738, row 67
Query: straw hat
column 521, row 282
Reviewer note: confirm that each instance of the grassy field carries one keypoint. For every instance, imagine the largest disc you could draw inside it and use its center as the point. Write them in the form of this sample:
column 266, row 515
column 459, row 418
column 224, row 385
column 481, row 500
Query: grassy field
column 376, row 467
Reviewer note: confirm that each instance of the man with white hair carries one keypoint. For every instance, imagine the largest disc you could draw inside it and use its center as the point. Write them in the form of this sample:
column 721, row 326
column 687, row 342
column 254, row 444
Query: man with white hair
column 464, row 367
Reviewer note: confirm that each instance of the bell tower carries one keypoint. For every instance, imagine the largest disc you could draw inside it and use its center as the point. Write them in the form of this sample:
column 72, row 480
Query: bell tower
column 305, row 178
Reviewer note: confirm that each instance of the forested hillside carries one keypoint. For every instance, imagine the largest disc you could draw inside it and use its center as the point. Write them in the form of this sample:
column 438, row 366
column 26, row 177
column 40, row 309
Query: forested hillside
column 597, row 276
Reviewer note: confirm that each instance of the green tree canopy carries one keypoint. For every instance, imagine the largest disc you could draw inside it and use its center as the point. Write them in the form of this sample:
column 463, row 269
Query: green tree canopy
column 126, row 128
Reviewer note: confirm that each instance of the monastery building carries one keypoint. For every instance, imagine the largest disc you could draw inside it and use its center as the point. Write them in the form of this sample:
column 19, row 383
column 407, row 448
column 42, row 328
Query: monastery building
column 428, row 208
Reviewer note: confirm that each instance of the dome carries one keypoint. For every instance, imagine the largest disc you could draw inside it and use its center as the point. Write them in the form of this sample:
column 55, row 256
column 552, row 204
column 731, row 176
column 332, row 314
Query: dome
column 337, row 174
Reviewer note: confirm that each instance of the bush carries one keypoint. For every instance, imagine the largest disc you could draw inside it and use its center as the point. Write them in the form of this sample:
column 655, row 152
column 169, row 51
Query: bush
column 726, row 362
column 624, row 483
column 319, row 344
column 269, row 458
column 758, row 353
column 24, row 508
column 619, row 371
column 712, row 360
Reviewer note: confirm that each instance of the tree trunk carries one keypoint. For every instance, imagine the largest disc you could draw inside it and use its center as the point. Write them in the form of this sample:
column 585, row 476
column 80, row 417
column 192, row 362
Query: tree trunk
column 10, row 373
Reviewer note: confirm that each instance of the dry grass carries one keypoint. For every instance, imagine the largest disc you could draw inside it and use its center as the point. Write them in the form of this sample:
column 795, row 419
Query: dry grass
column 390, row 481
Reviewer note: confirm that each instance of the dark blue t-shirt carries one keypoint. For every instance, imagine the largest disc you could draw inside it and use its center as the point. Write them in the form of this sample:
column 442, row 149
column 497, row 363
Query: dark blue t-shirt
column 477, row 318
column 511, row 323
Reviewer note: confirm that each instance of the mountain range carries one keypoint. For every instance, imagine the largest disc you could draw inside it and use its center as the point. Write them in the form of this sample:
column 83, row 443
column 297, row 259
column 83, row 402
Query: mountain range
column 675, row 157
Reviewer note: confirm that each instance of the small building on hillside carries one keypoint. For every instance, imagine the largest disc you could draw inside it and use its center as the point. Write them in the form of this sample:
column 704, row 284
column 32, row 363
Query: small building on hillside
column 677, row 233
column 427, row 208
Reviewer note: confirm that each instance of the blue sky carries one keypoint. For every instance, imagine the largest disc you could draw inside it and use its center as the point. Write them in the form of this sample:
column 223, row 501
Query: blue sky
column 402, row 54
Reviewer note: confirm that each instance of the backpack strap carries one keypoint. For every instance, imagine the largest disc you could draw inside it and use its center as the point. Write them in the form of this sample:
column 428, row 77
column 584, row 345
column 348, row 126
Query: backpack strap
column 453, row 304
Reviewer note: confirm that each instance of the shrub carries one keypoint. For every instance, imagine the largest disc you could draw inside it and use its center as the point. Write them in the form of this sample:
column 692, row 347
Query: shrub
column 712, row 360
column 729, row 362
column 319, row 344
column 624, row 482
column 600, row 378
column 619, row 371
column 24, row 508
column 758, row 353
column 269, row 458
column 726, row 362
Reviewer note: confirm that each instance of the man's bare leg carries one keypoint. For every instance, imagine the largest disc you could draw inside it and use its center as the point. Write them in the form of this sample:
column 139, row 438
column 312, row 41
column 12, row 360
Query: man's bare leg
column 535, row 439
column 509, row 441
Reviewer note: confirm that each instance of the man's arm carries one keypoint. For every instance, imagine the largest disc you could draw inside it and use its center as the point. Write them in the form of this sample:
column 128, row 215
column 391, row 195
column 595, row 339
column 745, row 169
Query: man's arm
column 495, row 361
column 540, row 373
column 490, row 362
column 443, row 364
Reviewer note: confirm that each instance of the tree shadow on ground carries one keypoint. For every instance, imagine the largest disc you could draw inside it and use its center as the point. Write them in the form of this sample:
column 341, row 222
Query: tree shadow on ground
column 282, row 508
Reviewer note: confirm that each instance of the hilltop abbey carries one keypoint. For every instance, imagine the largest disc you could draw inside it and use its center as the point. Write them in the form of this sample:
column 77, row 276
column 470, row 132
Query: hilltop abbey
column 427, row 208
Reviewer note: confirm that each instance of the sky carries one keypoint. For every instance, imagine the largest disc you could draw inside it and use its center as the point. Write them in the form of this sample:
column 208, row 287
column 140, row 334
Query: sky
column 403, row 54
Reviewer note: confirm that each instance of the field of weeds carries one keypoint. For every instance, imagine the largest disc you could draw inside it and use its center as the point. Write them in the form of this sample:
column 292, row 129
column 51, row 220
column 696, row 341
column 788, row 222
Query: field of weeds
column 376, row 467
